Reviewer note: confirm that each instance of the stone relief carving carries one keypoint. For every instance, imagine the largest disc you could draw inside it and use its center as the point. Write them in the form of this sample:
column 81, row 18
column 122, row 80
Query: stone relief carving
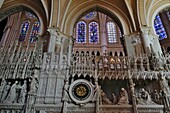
column 114, row 99
column 23, row 92
column 34, row 81
column 164, row 85
column 3, row 83
column 5, row 91
column 144, row 98
column 123, row 97
column 104, row 99
column 12, row 94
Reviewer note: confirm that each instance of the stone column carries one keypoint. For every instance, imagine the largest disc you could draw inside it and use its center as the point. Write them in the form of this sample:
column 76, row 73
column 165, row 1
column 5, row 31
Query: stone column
column 70, row 50
column 52, row 41
column 103, row 38
column 146, row 39
column 133, row 95
column 129, row 46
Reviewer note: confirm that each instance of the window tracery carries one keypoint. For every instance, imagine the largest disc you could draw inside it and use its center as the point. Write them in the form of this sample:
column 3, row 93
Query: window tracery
column 81, row 32
column 34, row 31
column 93, row 32
column 24, row 29
column 111, row 32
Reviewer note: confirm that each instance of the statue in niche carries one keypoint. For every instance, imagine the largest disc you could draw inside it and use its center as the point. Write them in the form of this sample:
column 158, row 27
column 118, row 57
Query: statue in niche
column 114, row 99
column 66, row 92
column 23, row 92
column 164, row 85
column 144, row 98
column 12, row 94
column 5, row 91
column 104, row 98
column 123, row 97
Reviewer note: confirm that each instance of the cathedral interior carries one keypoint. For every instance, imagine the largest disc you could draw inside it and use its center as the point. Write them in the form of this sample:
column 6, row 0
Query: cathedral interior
column 84, row 56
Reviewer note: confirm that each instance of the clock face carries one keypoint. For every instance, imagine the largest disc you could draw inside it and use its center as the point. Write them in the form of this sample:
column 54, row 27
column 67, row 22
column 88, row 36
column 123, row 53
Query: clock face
column 81, row 91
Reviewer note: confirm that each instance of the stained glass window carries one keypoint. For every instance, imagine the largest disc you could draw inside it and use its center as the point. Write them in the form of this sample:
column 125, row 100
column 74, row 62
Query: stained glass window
column 24, row 29
column 34, row 31
column 111, row 32
column 159, row 28
column 93, row 32
column 91, row 15
column 81, row 32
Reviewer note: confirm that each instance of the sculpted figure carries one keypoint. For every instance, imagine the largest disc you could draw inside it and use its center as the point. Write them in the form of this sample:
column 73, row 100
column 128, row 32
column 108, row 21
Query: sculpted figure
column 144, row 98
column 5, row 91
column 12, row 93
column 18, row 88
column 23, row 92
column 164, row 85
column 34, row 82
column 3, row 83
column 156, row 97
column 66, row 93
column 104, row 98
column 123, row 97
column 34, row 85
column 114, row 98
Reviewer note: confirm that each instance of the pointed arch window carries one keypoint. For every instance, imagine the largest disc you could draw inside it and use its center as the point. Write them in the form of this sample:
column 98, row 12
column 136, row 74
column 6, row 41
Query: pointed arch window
column 35, row 31
column 93, row 32
column 159, row 28
column 24, row 29
column 111, row 32
column 81, row 32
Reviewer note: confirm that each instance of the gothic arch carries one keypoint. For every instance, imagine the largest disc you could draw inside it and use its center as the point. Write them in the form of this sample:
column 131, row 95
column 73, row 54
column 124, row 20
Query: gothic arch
column 154, row 11
column 14, row 7
column 115, row 13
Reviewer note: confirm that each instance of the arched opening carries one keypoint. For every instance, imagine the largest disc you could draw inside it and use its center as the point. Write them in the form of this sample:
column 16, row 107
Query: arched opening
column 90, row 36
column 162, row 28
column 22, row 29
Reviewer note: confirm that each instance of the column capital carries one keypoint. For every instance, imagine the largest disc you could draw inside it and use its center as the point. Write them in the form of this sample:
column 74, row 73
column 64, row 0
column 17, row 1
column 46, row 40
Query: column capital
column 53, row 31
column 145, row 29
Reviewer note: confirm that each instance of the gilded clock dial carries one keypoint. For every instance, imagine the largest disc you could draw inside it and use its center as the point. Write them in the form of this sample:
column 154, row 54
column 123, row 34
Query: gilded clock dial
column 81, row 90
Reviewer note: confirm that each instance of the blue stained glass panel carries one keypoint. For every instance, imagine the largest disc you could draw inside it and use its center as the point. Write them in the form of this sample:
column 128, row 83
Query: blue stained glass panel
column 81, row 32
column 91, row 15
column 24, row 29
column 34, row 31
column 93, row 32
column 159, row 28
